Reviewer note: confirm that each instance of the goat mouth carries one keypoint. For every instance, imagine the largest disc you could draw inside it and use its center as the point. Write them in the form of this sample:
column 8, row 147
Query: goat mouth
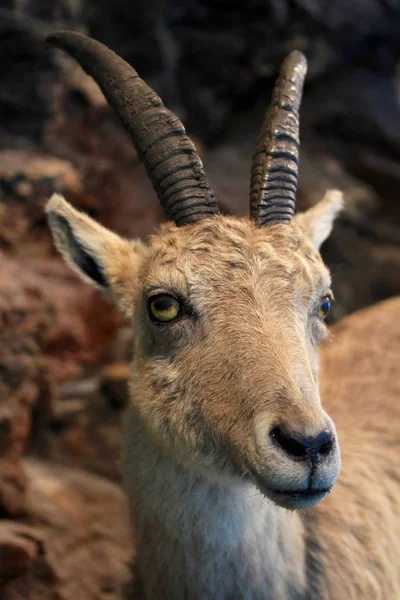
column 297, row 499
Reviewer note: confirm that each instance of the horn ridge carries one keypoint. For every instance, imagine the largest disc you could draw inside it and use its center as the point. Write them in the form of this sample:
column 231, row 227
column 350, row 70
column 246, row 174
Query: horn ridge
column 276, row 156
column 158, row 135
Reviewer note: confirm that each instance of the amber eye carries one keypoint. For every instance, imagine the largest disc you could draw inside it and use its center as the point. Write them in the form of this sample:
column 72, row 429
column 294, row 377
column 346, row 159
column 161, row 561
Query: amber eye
column 164, row 308
column 324, row 306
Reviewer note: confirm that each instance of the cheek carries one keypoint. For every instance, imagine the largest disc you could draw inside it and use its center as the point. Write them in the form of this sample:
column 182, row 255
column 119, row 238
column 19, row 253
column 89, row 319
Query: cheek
column 223, row 409
column 314, row 362
column 186, row 412
column 318, row 331
column 160, row 395
column 155, row 385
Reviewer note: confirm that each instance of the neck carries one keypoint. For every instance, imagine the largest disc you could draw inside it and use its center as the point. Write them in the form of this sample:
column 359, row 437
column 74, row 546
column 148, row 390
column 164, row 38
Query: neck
column 196, row 538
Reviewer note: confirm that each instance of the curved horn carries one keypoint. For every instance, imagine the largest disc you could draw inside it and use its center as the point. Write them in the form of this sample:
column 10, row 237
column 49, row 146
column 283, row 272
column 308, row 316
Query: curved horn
column 274, row 170
column 169, row 156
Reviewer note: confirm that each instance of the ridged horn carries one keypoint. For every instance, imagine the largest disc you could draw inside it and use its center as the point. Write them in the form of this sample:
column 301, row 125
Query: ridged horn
column 169, row 156
column 274, row 170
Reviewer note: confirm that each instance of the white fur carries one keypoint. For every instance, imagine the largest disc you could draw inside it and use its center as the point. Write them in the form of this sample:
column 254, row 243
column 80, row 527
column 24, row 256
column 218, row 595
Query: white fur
column 200, row 539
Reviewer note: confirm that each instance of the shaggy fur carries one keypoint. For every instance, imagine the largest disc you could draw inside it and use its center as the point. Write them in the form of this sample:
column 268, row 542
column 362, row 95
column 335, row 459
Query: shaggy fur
column 206, row 482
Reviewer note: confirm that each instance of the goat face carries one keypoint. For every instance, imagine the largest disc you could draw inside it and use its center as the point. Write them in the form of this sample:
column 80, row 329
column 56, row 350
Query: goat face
column 226, row 311
column 227, row 320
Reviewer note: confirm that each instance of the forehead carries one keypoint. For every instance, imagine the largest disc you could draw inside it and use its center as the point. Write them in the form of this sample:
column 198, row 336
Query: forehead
column 221, row 250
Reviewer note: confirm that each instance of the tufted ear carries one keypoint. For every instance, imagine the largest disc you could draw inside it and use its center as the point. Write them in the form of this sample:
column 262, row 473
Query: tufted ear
column 317, row 222
column 99, row 256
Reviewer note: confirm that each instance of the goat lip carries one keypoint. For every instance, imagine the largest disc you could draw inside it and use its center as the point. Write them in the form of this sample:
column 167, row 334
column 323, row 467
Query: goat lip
column 293, row 499
column 297, row 499
column 302, row 493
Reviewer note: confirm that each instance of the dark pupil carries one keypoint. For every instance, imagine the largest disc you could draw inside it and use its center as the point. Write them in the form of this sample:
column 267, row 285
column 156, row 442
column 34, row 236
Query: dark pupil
column 163, row 304
column 326, row 306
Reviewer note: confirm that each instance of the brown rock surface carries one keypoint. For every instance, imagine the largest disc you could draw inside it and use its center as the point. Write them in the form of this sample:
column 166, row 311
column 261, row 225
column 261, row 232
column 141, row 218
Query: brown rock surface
column 115, row 383
column 47, row 313
column 74, row 541
column 27, row 179
column 84, row 430
column 51, row 326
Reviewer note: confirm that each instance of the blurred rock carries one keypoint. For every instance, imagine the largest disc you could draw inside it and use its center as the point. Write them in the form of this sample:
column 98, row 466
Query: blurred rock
column 47, row 312
column 19, row 547
column 365, row 265
column 224, row 55
column 85, row 430
column 27, row 73
column 12, row 488
column 321, row 171
column 114, row 383
column 27, row 180
column 25, row 402
column 121, row 347
column 35, row 167
column 49, row 329
column 74, row 542
column 66, row 412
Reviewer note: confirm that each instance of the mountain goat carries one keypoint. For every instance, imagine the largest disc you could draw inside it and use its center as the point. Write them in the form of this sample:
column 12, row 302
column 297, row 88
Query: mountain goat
column 225, row 440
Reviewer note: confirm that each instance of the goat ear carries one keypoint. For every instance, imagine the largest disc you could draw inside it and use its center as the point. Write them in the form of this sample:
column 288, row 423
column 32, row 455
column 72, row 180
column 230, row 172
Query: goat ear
column 317, row 222
column 99, row 256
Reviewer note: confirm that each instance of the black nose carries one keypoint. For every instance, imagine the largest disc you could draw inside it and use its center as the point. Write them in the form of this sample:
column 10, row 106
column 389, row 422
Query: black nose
column 303, row 448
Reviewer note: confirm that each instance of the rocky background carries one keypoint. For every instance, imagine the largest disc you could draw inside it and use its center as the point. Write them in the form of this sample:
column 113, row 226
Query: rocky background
column 64, row 352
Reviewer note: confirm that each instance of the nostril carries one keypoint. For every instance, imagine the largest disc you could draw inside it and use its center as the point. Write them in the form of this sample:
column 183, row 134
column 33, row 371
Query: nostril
column 288, row 443
column 326, row 447
column 324, row 443
column 300, row 447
